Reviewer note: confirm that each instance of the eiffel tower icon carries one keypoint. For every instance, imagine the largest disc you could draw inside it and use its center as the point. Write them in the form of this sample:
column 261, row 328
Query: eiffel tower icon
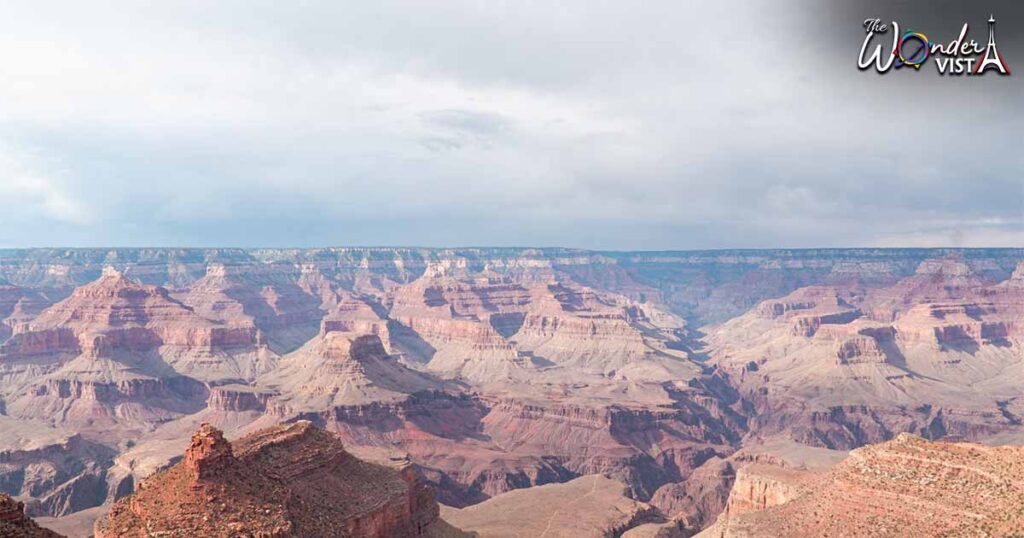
column 992, row 59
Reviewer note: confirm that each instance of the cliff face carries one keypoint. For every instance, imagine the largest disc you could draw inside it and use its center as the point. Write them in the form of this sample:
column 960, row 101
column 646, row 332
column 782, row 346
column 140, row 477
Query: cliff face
column 292, row 480
column 759, row 487
column 905, row 487
column 711, row 286
column 15, row 524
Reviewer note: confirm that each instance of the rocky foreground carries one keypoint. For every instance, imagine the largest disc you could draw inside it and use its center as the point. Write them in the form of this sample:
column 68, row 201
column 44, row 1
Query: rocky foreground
column 905, row 487
column 15, row 524
column 289, row 480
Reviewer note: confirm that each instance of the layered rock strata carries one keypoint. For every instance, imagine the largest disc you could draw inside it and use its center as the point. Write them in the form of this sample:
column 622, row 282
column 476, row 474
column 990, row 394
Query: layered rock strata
column 290, row 480
column 905, row 487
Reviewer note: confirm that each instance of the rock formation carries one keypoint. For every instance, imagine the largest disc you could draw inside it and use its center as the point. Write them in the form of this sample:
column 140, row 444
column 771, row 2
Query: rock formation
column 491, row 328
column 18, row 306
column 935, row 354
column 905, row 487
column 105, row 357
column 275, row 308
column 339, row 369
column 15, row 524
column 290, row 480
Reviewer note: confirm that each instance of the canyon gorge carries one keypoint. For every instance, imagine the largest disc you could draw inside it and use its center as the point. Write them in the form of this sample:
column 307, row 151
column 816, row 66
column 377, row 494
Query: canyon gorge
column 445, row 392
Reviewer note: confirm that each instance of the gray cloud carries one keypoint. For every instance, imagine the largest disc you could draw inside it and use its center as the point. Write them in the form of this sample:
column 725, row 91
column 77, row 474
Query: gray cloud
column 589, row 124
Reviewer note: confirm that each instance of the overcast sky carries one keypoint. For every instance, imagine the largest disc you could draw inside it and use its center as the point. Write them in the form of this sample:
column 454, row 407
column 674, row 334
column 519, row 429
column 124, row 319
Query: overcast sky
column 586, row 124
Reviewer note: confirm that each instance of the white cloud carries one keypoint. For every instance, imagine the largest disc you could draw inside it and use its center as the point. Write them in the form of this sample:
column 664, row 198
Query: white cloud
column 184, row 116
column 27, row 194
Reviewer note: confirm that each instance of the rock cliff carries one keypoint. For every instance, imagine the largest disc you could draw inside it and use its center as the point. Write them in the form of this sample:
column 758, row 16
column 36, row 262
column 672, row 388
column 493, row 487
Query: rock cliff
column 905, row 487
column 290, row 480
column 15, row 524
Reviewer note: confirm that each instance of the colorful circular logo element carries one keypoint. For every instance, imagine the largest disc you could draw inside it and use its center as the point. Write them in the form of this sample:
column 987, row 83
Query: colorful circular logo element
column 912, row 49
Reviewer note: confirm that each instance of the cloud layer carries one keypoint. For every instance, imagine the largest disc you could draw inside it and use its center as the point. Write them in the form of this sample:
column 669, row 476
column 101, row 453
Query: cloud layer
column 586, row 124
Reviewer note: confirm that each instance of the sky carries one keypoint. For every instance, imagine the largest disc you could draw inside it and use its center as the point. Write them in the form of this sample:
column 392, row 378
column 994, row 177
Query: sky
column 588, row 124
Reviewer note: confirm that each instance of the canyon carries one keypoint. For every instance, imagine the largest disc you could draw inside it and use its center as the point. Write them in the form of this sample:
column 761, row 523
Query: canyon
column 507, row 379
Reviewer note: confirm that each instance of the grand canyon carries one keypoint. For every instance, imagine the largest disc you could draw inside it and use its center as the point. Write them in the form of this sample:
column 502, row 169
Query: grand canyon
column 511, row 392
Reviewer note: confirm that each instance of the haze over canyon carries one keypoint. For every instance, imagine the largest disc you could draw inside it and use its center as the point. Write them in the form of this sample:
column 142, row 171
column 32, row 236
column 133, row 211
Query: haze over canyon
column 511, row 391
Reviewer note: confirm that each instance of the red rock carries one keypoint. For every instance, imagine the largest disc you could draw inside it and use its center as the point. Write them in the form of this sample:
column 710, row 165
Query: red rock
column 14, row 523
column 208, row 455
column 290, row 480
column 904, row 487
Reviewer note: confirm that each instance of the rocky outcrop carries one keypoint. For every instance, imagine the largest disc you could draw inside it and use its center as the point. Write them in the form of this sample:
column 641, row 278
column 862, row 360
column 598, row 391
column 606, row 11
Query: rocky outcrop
column 291, row 480
column 860, row 349
column 209, row 455
column 15, row 524
column 350, row 314
column 905, row 487
column 239, row 398
column 758, row 487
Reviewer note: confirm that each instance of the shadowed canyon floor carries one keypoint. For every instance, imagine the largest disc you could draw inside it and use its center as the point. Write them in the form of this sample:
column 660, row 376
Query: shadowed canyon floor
column 493, row 370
